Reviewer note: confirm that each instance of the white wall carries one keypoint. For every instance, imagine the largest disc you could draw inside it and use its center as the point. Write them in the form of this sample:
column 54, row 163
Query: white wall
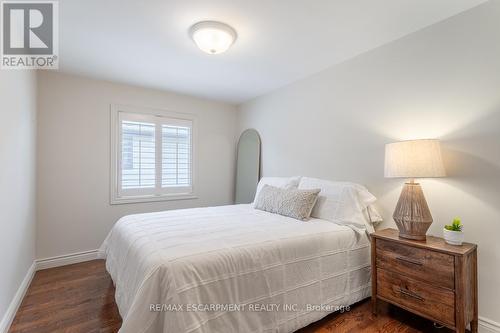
column 17, row 181
column 74, row 213
column 442, row 82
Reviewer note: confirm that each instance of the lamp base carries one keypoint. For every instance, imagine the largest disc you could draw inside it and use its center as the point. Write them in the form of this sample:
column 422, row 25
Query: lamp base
column 412, row 215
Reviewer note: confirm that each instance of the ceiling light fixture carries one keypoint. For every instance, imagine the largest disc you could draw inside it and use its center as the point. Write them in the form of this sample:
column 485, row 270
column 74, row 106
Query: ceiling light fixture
column 212, row 37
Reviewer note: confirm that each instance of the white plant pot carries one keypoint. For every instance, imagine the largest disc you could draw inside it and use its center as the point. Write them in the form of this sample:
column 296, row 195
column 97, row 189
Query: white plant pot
column 453, row 237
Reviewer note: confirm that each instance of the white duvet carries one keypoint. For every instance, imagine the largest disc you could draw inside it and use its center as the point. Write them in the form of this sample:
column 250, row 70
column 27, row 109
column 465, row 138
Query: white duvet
column 232, row 269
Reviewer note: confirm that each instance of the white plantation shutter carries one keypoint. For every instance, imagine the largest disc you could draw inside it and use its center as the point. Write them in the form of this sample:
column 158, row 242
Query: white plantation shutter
column 176, row 156
column 138, row 165
column 154, row 156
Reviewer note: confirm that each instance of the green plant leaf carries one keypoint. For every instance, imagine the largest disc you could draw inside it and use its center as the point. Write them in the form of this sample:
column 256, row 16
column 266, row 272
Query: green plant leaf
column 456, row 225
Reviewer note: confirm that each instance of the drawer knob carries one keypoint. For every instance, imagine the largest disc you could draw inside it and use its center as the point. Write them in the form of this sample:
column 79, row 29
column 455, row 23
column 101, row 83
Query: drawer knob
column 410, row 294
column 409, row 260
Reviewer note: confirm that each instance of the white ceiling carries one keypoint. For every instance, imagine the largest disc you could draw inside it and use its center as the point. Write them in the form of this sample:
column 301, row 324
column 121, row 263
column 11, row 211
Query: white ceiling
column 146, row 43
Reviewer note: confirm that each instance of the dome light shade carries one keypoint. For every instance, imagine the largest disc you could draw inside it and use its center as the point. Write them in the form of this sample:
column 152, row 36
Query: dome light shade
column 212, row 37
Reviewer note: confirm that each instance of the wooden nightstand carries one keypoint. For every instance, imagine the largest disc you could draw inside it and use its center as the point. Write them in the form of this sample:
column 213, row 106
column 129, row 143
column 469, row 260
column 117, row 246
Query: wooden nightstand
column 430, row 278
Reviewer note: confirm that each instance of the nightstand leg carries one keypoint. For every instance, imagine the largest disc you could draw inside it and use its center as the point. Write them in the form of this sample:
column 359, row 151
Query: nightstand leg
column 475, row 319
column 473, row 326
column 460, row 277
column 374, row 276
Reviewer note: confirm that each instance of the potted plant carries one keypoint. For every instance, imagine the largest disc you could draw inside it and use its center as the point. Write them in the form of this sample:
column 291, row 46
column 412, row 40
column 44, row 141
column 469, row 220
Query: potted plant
column 453, row 233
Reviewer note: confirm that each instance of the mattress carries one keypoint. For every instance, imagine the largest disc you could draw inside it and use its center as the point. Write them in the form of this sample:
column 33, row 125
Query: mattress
column 232, row 269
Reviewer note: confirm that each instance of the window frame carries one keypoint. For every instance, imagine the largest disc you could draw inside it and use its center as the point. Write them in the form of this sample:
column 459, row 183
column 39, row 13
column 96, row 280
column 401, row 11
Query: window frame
column 144, row 114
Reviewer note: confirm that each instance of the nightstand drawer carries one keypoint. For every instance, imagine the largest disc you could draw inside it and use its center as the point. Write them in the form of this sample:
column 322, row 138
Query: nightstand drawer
column 429, row 301
column 429, row 266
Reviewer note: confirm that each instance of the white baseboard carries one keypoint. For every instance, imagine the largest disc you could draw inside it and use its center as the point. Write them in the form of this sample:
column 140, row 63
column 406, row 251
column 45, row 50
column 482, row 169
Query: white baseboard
column 488, row 326
column 68, row 259
column 17, row 300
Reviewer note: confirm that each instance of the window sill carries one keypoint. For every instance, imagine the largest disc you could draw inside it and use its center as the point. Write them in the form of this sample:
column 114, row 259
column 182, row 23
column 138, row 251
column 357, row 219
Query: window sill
column 151, row 198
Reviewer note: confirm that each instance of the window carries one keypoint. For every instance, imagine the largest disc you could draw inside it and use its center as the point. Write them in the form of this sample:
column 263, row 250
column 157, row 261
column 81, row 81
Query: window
column 152, row 155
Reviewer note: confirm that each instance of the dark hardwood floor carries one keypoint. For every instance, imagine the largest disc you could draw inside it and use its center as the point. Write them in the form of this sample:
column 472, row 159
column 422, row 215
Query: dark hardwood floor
column 80, row 298
column 75, row 298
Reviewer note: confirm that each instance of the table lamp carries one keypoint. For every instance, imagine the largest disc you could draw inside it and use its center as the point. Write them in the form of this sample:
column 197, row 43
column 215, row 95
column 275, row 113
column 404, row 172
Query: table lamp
column 413, row 159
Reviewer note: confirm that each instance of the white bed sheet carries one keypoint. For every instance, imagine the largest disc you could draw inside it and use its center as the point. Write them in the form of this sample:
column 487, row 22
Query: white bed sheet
column 252, row 262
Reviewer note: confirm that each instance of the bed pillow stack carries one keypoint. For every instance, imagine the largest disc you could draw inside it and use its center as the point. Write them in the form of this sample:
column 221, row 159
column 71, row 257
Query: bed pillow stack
column 290, row 202
column 340, row 202
column 343, row 202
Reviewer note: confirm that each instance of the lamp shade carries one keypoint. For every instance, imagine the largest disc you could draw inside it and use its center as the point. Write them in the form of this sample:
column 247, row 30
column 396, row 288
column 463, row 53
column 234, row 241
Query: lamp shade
column 414, row 159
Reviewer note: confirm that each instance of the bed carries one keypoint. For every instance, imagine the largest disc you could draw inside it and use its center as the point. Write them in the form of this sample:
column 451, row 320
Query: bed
column 232, row 269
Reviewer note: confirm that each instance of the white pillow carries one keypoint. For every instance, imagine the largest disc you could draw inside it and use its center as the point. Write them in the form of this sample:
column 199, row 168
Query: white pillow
column 281, row 182
column 343, row 202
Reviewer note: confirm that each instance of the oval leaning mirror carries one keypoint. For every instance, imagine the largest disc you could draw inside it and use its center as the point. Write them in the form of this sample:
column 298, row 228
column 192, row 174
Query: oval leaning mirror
column 247, row 166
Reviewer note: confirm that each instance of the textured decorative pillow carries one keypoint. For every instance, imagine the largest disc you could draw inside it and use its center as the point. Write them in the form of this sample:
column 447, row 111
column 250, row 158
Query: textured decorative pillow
column 291, row 202
column 281, row 182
